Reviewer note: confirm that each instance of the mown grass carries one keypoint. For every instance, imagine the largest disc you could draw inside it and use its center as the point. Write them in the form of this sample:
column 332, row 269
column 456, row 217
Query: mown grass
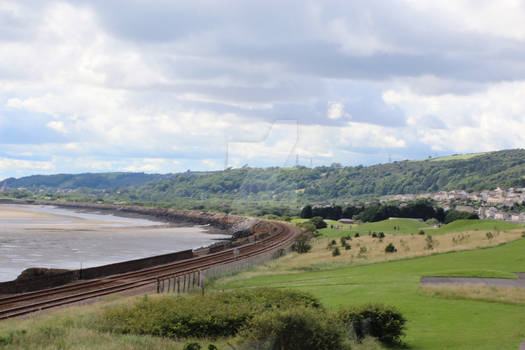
column 433, row 323
column 403, row 227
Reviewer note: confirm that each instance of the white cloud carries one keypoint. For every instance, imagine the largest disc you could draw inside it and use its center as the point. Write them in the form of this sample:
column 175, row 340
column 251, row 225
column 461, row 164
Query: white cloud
column 8, row 163
column 57, row 126
column 104, row 98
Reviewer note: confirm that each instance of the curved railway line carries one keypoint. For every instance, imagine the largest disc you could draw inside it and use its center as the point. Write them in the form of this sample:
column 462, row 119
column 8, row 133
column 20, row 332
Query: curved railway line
column 281, row 236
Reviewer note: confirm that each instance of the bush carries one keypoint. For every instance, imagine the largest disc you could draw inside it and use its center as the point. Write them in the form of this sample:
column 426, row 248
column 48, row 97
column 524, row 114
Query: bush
column 381, row 235
column 318, row 222
column 348, row 246
column 191, row 346
column 390, row 248
column 376, row 320
column 210, row 316
column 301, row 244
column 294, row 329
column 357, row 235
column 336, row 252
column 421, row 232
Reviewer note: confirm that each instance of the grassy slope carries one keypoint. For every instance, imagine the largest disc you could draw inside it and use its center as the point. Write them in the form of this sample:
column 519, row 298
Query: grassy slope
column 387, row 226
column 413, row 227
column 457, row 157
column 433, row 323
column 475, row 225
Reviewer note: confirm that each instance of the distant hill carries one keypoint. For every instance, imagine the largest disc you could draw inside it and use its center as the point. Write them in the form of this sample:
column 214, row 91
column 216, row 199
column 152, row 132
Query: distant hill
column 472, row 172
column 97, row 181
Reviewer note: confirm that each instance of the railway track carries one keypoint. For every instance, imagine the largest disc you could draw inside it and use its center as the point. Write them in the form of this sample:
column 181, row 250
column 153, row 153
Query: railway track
column 26, row 303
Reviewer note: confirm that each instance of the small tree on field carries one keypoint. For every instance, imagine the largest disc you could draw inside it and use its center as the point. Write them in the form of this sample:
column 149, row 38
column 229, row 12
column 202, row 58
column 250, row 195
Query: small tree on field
column 390, row 248
column 318, row 222
column 301, row 244
column 336, row 252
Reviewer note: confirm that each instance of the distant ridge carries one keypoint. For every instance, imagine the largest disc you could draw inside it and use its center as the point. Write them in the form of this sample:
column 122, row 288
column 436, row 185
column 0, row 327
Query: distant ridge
column 472, row 172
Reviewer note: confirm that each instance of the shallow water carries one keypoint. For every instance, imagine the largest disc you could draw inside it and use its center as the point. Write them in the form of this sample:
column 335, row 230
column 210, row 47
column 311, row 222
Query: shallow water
column 38, row 236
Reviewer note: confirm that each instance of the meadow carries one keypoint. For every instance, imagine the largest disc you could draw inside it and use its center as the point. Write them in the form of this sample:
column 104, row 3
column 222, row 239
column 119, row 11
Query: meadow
column 436, row 320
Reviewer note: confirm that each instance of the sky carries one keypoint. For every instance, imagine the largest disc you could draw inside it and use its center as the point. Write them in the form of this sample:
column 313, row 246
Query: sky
column 163, row 86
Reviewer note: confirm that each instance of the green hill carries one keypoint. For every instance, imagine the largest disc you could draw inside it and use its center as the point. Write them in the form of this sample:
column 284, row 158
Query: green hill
column 471, row 172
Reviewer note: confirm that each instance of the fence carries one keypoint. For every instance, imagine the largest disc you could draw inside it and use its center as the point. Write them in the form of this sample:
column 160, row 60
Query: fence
column 192, row 281
column 178, row 283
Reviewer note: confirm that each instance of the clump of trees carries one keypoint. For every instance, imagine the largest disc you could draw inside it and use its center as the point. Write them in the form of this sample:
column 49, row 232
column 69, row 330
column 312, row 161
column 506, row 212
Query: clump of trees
column 420, row 209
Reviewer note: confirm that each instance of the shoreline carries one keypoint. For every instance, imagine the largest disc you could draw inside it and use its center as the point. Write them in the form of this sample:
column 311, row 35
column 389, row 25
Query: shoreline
column 237, row 229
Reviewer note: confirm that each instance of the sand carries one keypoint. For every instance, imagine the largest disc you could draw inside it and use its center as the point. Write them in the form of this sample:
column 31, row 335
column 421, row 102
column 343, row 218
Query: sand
column 45, row 236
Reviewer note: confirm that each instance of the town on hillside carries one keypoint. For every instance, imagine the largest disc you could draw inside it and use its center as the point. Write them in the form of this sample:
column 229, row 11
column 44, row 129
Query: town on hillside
column 499, row 204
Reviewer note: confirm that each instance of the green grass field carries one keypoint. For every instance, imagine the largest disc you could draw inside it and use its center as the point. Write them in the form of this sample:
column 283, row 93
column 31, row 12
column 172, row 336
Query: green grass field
column 475, row 225
column 406, row 226
column 434, row 323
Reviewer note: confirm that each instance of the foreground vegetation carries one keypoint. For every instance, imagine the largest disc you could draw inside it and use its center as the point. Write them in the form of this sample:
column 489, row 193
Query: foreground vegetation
column 436, row 320
column 259, row 318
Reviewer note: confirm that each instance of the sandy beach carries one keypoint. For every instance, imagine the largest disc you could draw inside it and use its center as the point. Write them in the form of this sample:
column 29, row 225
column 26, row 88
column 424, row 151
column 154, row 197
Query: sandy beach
column 46, row 236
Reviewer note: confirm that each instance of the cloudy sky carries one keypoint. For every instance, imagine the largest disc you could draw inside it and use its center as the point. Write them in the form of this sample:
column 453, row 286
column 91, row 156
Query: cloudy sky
column 165, row 86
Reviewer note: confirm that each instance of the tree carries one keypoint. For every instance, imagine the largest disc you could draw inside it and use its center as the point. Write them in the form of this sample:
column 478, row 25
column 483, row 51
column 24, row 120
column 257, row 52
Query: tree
column 306, row 212
column 318, row 222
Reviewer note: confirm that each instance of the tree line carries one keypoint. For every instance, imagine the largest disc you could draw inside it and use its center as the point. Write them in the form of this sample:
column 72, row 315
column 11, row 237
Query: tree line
column 420, row 209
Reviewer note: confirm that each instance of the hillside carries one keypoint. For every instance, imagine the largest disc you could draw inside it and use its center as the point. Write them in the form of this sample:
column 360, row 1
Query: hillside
column 473, row 173
column 97, row 181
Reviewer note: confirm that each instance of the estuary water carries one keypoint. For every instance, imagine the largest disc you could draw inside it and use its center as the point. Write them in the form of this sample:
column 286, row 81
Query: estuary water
column 47, row 236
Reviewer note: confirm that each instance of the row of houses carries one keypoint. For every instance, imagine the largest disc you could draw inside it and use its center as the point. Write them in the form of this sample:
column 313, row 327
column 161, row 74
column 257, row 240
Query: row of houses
column 498, row 196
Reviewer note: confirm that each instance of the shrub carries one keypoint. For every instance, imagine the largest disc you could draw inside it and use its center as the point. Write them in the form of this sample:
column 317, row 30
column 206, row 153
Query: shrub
column 336, row 252
column 348, row 246
column 294, row 329
column 490, row 235
column 377, row 320
column 421, row 232
column 374, row 235
column 430, row 243
column 390, row 248
column 381, row 235
column 343, row 241
column 212, row 347
column 357, row 235
column 212, row 316
column 191, row 346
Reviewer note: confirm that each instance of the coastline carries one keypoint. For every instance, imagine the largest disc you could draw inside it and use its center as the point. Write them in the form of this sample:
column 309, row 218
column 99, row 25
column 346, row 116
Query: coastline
column 238, row 229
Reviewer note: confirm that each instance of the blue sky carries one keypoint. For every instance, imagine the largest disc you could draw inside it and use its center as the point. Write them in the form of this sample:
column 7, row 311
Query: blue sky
column 165, row 86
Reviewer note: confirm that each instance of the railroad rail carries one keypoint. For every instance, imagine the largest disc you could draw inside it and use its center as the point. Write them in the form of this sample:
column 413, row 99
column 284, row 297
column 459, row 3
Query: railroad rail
column 26, row 303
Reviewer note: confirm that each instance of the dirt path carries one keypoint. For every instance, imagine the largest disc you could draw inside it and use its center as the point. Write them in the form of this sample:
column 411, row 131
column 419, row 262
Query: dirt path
column 493, row 282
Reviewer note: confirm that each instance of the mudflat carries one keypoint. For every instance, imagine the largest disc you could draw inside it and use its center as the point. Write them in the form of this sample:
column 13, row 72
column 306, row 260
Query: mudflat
column 46, row 236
